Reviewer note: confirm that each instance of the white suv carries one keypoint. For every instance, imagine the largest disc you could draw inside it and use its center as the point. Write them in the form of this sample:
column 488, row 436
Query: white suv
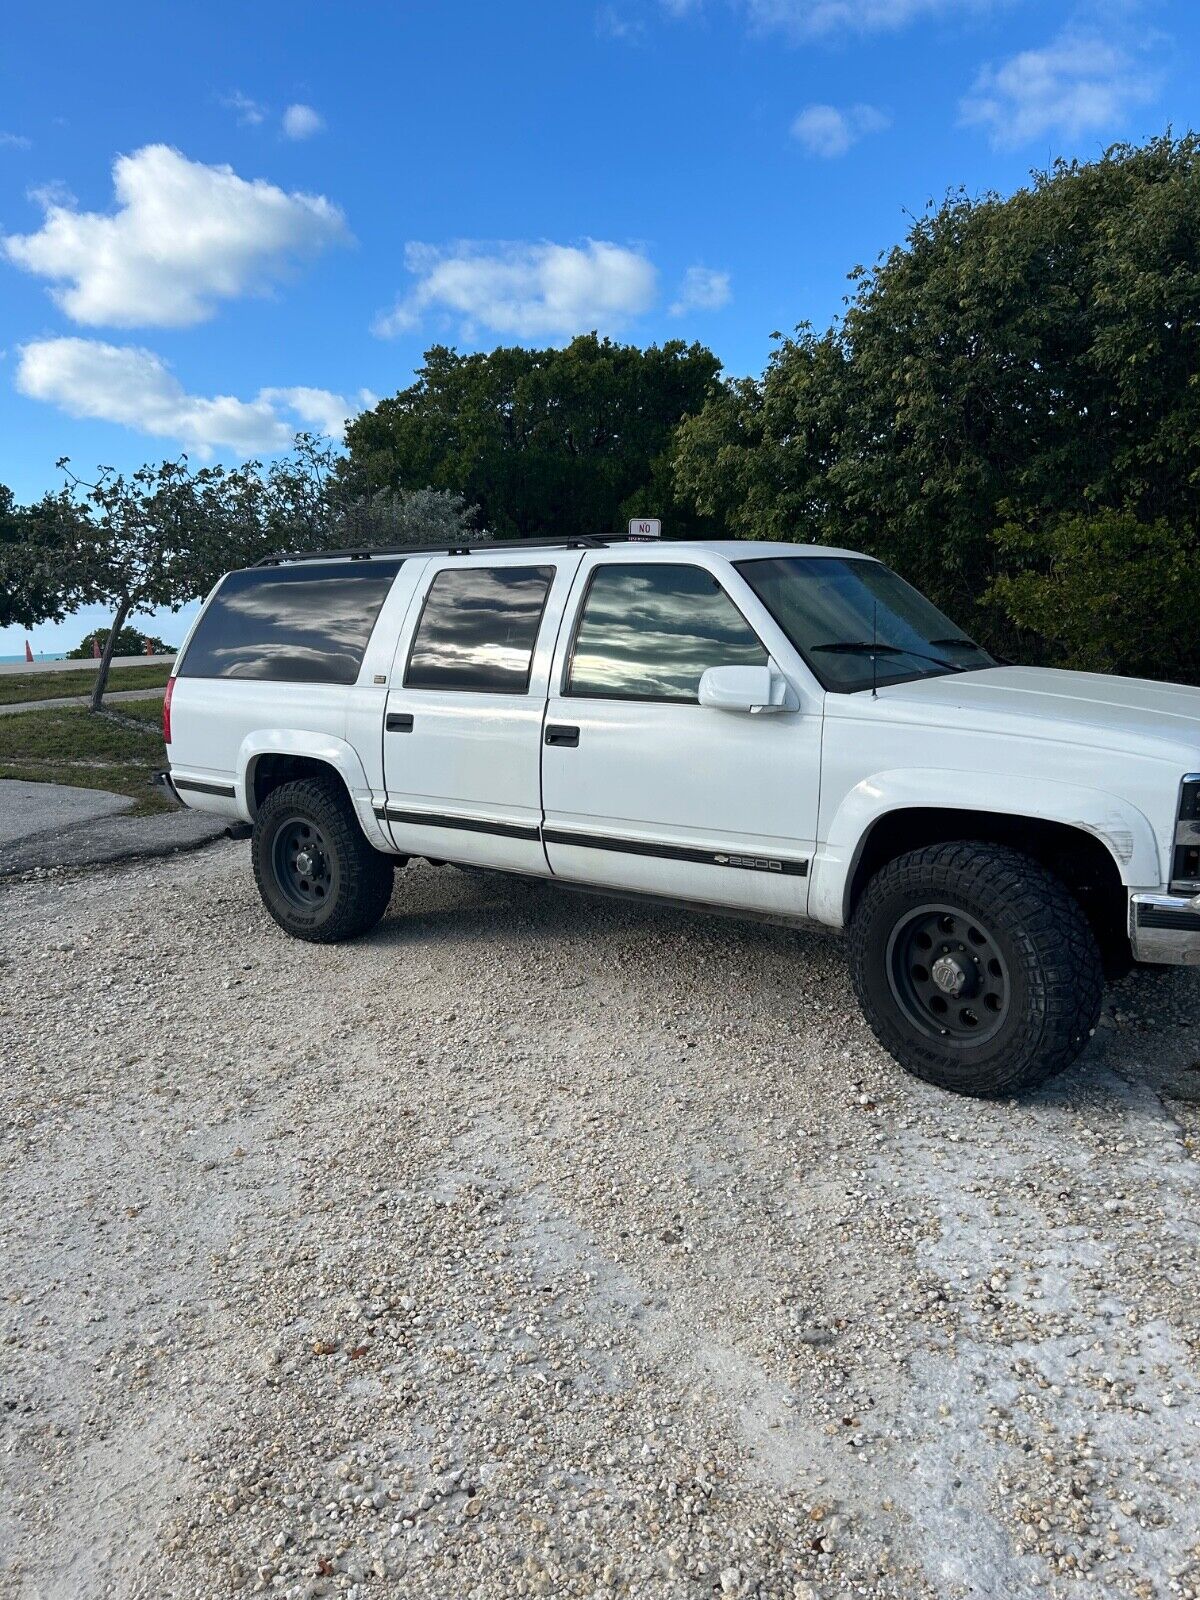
column 775, row 730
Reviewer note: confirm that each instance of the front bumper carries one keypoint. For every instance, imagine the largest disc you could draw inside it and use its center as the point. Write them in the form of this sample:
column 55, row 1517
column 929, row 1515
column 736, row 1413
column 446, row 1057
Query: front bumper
column 1164, row 929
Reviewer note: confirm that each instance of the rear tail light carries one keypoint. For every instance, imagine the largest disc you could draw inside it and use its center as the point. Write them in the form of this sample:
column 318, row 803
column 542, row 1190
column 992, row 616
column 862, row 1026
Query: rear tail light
column 1185, row 870
column 167, row 710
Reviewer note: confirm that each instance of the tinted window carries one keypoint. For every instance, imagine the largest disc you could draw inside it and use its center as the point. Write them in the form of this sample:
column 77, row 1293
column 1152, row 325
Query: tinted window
column 478, row 629
column 649, row 632
column 307, row 623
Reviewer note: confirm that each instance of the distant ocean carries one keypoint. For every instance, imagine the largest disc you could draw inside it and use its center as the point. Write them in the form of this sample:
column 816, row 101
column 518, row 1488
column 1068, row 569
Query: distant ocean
column 39, row 655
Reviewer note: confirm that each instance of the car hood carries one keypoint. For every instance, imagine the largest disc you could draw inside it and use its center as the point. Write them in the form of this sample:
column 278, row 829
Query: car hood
column 1117, row 714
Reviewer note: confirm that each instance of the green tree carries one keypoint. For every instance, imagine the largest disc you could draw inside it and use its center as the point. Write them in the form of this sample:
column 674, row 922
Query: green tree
column 130, row 642
column 1106, row 592
column 39, row 558
column 1014, row 363
column 573, row 440
column 160, row 537
column 313, row 499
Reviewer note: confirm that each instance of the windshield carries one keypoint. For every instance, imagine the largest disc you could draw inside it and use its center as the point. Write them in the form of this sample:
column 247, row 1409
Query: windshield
column 840, row 611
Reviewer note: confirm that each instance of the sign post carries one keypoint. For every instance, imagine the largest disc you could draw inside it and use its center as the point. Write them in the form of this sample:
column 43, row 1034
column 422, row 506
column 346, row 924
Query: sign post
column 645, row 527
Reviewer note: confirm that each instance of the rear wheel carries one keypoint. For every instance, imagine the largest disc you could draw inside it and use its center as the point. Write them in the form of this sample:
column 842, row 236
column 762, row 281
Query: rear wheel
column 976, row 968
column 318, row 875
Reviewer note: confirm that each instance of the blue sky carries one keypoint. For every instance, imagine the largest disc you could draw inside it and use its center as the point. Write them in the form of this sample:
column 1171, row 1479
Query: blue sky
column 220, row 223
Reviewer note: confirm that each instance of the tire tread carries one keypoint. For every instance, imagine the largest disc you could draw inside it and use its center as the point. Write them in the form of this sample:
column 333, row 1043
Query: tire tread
column 1040, row 915
column 367, row 876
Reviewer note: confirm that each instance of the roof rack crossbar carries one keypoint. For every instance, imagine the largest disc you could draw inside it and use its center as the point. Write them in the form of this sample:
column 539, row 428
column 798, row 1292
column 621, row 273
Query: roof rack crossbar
column 582, row 541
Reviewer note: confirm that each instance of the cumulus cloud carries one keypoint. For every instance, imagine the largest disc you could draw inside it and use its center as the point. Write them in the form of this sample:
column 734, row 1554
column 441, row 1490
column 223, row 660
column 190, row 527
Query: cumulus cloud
column 702, row 289
column 1078, row 83
column 183, row 236
column 525, row 291
column 132, row 386
column 301, row 122
column 807, row 19
column 14, row 141
column 827, row 131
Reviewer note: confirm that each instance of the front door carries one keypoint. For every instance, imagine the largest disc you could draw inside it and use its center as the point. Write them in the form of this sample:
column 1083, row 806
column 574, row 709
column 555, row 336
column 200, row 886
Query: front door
column 646, row 789
column 462, row 735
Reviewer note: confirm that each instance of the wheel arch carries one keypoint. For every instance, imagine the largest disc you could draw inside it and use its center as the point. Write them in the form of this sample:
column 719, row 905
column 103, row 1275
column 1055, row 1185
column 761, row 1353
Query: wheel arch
column 1080, row 858
column 1096, row 842
column 276, row 756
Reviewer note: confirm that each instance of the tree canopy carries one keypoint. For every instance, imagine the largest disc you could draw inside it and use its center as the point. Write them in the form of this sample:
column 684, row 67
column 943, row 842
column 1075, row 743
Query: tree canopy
column 1008, row 412
column 544, row 442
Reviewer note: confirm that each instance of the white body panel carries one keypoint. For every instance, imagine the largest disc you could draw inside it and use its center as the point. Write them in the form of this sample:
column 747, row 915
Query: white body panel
column 763, row 812
column 472, row 760
column 677, row 781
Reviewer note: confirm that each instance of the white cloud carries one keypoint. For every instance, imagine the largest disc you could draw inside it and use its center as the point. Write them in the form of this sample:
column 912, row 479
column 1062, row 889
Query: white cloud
column 525, row 291
column 611, row 24
column 301, row 122
column 183, row 236
column 702, row 289
column 1078, row 83
column 827, row 131
column 249, row 112
column 132, row 386
column 14, row 141
column 807, row 19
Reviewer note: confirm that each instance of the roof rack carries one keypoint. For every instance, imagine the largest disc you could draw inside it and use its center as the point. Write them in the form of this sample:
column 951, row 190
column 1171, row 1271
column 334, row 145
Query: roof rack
column 583, row 541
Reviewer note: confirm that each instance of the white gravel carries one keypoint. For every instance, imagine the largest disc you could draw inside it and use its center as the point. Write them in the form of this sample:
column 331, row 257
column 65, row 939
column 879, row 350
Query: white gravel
column 540, row 1245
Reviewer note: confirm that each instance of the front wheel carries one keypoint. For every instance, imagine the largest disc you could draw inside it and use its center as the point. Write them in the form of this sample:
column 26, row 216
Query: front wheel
column 976, row 968
column 318, row 875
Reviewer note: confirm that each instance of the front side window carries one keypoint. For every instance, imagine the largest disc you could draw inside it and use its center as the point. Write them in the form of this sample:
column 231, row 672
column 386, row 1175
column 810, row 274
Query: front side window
column 649, row 632
column 478, row 629
column 856, row 623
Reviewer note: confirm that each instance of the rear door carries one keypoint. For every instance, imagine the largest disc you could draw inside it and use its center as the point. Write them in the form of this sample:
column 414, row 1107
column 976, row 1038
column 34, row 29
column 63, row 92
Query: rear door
column 462, row 732
column 643, row 787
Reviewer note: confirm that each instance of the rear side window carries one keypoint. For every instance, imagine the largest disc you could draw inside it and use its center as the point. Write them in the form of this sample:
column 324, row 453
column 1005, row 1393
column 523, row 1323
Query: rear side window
column 478, row 629
column 307, row 623
column 649, row 632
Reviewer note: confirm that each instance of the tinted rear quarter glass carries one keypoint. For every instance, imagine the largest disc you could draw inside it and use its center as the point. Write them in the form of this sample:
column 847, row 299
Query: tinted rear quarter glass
column 307, row 623
column 478, row 629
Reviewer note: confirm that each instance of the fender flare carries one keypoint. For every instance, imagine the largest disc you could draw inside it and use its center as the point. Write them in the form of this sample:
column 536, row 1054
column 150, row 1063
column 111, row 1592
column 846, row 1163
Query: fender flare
column 324, row 747
column 1122, row 829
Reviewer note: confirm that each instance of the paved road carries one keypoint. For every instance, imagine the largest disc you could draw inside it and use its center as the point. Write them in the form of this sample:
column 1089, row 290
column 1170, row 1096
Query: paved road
column 11, row 669
column 48, row 825
column 78, row 700
column 33, row 808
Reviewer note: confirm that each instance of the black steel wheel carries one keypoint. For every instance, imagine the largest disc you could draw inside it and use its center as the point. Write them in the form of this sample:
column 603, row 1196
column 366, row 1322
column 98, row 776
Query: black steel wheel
column 318, row 875
column 304, row 866
column 976, row 968
column 948, row 974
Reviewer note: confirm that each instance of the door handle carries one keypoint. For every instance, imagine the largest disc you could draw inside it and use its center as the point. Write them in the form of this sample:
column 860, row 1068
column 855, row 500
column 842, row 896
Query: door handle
column 559, row 733
column 399, row 722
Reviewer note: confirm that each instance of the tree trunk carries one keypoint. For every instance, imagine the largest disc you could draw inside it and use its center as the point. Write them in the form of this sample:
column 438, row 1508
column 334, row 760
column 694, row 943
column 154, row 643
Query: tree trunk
column 110, row 644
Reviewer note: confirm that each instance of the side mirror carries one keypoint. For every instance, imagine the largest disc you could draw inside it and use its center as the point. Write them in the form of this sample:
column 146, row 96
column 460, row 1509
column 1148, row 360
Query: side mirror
column 752, row 689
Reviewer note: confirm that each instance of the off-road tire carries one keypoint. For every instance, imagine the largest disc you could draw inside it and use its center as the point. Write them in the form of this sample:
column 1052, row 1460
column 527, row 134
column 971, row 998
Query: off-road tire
column 1054, row 978
column 359, row 877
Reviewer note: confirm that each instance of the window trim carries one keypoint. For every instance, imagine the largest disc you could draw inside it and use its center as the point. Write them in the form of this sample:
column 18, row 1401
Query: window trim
column 565, row 690
column 539, row 566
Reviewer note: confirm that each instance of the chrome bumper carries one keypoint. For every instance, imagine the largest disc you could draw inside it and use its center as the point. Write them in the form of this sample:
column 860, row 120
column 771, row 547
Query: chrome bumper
column 1164, row 929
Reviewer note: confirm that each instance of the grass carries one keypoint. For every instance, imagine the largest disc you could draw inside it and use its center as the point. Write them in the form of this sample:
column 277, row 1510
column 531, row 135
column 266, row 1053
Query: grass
column 66, row 744
column 19, row 686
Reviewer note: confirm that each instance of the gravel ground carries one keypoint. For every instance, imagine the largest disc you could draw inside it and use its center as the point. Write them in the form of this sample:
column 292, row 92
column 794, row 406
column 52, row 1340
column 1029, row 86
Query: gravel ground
column 540, row 1245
